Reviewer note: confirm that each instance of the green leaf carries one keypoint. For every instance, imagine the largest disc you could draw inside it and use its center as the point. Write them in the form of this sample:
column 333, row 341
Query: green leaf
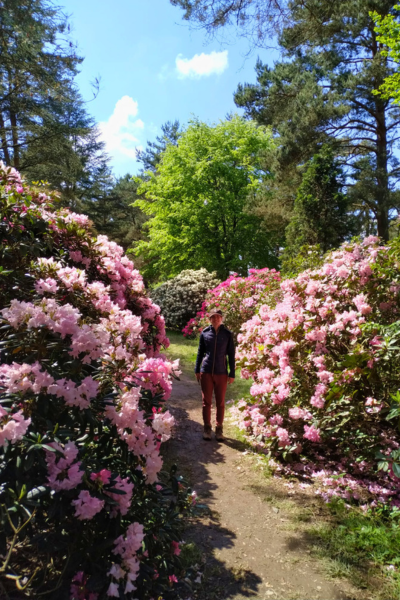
column 383, row 466
column 396, row 469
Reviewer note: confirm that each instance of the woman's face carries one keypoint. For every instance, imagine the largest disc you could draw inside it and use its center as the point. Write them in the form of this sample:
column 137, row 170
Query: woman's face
column 216, row 321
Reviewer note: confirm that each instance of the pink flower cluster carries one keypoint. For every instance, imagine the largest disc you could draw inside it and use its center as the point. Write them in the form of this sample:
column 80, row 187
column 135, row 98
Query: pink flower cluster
column 132, row 427
column 16, row 378
column 162, row 425
column 13, row 426
column 123, row 500
column 91, row 304
column 154, row 374
column 126, row 547
column 290, row 348
column 79, row 590
column 353, row 481
column 237, row 297
column 65, row 472
column 87, row 506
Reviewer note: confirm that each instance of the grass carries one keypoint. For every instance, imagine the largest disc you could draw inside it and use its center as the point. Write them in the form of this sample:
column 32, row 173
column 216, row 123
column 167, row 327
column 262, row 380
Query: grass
column 359, row 545
column 191, row 555
column 182, row 348
column 186, row 351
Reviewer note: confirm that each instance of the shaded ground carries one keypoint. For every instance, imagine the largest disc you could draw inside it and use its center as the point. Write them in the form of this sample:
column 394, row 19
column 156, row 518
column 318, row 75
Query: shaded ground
column 248, row 548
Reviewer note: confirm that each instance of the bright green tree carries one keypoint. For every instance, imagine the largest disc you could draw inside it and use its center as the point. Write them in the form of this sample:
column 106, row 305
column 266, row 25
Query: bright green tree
column 198, row 199
column 388, row 30
column 321, row 215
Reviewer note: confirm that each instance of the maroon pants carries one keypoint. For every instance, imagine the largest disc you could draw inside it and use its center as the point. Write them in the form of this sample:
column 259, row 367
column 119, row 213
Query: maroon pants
column 218, row 384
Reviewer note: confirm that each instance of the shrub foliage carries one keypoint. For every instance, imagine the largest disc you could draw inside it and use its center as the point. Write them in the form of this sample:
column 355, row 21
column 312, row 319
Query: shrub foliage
column 237, row 298
column 181, row 298
column 82, row 413
column 324, row 360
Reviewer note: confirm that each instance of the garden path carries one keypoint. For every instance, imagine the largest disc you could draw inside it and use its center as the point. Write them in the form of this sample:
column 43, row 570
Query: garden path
column 248, row 547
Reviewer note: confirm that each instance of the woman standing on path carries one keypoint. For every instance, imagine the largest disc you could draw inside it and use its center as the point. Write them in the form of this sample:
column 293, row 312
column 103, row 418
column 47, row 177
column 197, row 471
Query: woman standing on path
column 216, row 343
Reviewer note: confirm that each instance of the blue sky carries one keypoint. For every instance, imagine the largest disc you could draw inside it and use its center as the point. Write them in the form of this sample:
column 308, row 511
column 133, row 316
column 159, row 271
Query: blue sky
column 153, row 69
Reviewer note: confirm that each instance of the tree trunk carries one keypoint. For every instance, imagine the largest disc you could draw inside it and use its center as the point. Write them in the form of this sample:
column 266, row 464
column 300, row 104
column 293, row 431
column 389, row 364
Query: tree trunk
column 382, row 176
column 14, row 129
column 3, row 137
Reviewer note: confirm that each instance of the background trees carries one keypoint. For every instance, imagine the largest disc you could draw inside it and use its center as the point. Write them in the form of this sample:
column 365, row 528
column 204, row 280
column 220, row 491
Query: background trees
column 324, row 93
column 198, row 198
column 321, row 209
column 45, row 130
column 150, row 157
column 388, row 29
column 111, row 209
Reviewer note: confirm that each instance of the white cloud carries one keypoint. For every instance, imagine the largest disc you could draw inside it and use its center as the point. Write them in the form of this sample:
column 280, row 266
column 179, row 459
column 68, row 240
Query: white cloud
column 202, row 65
column 121, row 130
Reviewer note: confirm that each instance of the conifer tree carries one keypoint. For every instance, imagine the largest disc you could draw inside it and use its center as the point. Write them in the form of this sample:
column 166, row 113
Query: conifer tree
column 151, row 156
column 110, row 207
column 324, row 94
column 45, row 130
column 321, row 215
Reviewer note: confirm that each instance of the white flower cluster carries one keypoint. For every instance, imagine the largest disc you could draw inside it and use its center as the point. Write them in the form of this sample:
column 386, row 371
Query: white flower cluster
column 181, row 298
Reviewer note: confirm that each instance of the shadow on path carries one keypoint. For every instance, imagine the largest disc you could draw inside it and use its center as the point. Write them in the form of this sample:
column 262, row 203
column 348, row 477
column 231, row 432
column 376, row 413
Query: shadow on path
column 194, row 456
column 245, row 552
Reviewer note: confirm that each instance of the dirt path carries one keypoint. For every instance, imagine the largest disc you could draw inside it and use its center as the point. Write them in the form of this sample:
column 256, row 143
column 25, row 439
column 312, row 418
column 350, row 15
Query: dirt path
column 249, row 551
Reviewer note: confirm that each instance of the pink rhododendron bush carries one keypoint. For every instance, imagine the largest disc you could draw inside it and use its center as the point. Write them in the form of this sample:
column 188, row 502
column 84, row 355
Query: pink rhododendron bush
column 238, row 298
column 326, row 370
column 85, row 513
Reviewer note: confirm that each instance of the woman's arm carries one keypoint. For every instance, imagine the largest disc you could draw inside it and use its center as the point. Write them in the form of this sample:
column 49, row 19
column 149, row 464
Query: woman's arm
column 200, row 354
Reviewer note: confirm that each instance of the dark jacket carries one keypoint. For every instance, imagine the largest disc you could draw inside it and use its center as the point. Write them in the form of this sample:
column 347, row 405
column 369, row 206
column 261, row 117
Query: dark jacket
column 213, row 350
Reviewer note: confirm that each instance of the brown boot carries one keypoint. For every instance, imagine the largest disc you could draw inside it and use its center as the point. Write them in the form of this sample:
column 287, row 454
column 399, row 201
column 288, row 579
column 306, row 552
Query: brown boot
column 207, row 432
column 219, row 433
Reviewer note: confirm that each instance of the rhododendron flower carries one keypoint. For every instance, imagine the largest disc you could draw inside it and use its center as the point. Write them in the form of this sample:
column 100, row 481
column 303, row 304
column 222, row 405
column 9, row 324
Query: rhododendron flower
column 46, row 285
column 78, row 588
column 113, row 590
column 102, row 477
column 376, row 341
column 373, row 406
column 311, row 433
column 64, row 472
column 86, row 506
column 299, row 413
column 13, row 426
column 173, row 579
column 283, row 436
column 116, row 571
column 162, row 424
column 276, row 420
column 123, row 500
column 175, row 548
column 127, row 547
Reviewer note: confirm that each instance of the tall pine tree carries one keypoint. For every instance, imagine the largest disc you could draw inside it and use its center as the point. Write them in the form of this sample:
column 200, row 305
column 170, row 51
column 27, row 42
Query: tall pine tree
column 324, row 93
column 45, row 130
column 321, row 209
column 151, row 156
